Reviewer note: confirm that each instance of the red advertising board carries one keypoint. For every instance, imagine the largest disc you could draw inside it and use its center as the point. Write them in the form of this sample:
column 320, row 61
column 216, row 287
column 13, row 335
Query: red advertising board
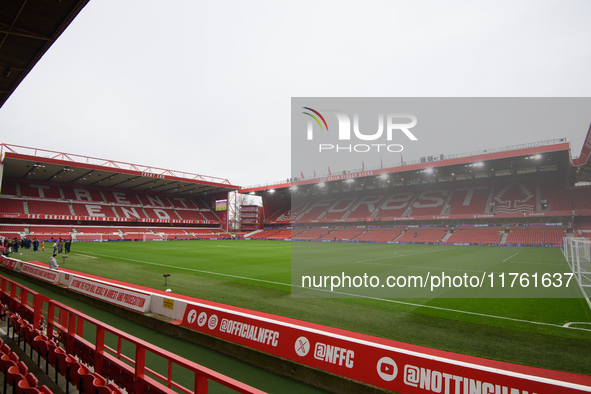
column 383, row 363
column 137, row 301
column 8, row 263
column 38, row 272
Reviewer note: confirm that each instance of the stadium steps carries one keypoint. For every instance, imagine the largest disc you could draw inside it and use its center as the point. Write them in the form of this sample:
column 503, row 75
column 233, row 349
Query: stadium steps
column 504, row 238
column 538, row 199
column 489, row 207
column 279, row 212
column 400, row 235
column 346, row 215
column 71, row 208
column 408, row 211
column 446, row 237
column 114, row 210
column 375, row 212
column 26, row 205
column 446, row 209
column 38, row 371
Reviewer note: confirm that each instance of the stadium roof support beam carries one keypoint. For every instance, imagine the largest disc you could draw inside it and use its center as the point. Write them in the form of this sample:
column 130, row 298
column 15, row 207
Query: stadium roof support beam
column 30, row 28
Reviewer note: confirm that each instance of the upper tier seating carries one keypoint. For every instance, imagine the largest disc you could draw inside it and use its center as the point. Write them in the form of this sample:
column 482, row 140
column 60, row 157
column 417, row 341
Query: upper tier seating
column 581, row 197
column 429, row 202
column 38, row 191
column 53, row 199
column 514, row 198
column 49, row 207
column 468, row 200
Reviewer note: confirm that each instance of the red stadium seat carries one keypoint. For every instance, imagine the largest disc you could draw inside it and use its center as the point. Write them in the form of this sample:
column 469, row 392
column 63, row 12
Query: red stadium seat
column 27, row 385
column 40, row 346
column 78, row 375
column 92, row 382
column 15, row 374
column 65, row 366
column 45, row 390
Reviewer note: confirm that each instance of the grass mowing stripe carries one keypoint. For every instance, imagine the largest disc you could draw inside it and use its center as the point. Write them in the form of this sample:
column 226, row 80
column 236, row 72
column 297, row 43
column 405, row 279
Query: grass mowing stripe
column 191, row 269
column 350, row 295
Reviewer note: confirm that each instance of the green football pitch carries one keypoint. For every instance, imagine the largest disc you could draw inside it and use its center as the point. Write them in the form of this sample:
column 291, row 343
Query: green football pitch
column 258, row 275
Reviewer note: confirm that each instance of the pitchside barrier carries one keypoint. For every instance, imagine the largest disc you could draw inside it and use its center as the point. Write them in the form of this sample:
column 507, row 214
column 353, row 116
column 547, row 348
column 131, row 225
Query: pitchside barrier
column 383, row 363
column 67, row 325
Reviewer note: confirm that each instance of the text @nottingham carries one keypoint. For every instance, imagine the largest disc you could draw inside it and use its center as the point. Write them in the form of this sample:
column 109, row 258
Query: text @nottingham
column 439, row 281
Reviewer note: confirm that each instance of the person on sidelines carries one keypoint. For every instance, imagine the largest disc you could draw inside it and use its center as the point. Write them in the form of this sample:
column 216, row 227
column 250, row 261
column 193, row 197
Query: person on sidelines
column 53, row 262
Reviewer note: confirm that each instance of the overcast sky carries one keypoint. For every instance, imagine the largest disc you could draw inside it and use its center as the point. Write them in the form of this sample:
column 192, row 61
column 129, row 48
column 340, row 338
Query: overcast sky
column 205, row 87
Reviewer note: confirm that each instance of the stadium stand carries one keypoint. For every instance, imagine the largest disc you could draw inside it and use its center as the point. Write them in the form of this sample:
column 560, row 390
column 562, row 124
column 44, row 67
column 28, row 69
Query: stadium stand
column 468, row 200
column 514, row 197
column 581, row 197
column 36, row 190
column 12, row 206
column 461, row 200
column 473, row 235
column 161, row 213
column 43, row 207
column 311, row 234
column 556, row 195
column 83, row 194
column 379, row 235
column 10, row 231
column 342, row 235
column 536, row 236
column 423, row 235
column 130, row 212
column 94, row 210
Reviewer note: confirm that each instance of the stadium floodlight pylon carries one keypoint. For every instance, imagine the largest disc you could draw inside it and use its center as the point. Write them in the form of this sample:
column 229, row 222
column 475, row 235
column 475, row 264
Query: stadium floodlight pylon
column 577, row 252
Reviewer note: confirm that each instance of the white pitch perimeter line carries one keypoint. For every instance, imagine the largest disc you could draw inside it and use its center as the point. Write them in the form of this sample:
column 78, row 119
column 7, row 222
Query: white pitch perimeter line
column 347, row 294
column 510, row 257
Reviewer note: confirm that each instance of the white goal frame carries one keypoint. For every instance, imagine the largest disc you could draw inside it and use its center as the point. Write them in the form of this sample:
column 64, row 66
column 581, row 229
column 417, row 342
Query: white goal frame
column 577, row 252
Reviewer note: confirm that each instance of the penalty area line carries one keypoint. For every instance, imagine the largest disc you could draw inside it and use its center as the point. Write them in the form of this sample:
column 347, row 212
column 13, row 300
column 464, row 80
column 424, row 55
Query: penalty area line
column 349, row 295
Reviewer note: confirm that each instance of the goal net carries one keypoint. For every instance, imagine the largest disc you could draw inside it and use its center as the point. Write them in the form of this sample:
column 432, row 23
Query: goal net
column 577, row 252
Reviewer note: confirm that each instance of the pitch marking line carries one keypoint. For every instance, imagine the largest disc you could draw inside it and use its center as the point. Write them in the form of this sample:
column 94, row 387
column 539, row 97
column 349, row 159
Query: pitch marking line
column 575, row 322
column 510, row 257
column 349, row 295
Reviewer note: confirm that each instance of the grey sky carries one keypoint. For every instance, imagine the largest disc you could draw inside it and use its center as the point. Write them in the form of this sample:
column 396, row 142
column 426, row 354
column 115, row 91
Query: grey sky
column 205, row 87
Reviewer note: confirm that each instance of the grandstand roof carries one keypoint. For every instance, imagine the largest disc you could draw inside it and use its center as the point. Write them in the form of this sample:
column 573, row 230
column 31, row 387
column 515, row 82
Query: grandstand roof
column 27, row 31
column 41, row 165
column 547, row 156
